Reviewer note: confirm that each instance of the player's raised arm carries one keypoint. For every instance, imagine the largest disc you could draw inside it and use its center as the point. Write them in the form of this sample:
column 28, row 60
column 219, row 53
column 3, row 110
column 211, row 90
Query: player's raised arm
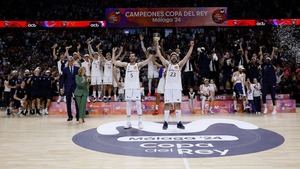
column 142, row 44
column 161, row 57
column 78, row 51
column 90, row 49
column 187, row 56
column 67, row 51
column 145, row 62
column 117, row 63
column 54, row 51
column 119, row 52
column 274, row 49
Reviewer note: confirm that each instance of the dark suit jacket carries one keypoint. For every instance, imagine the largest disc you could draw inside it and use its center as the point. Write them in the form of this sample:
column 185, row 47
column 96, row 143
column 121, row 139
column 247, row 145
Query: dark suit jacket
column 69, row 79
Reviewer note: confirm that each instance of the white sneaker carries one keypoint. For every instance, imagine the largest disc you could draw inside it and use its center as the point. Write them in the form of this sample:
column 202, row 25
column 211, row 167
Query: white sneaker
column 42, row 111
column 140, row 125
column 88, row 99
column 19, row 113
column 59, row 99
column 274, row 111
column 127, row 126
column 64, row 99
column 265, row 111
column 211, row 112
column 46, row 111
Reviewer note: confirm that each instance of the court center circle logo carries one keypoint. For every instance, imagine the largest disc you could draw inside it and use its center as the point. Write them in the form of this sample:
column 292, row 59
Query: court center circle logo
column 201, row 138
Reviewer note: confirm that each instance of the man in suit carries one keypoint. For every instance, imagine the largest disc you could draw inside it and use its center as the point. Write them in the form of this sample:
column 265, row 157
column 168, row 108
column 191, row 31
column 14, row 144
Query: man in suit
column 188, row 76
column 69, row 73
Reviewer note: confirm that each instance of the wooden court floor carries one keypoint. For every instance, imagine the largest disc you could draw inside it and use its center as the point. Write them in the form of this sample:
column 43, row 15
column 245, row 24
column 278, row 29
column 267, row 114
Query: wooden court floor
column 46, row 142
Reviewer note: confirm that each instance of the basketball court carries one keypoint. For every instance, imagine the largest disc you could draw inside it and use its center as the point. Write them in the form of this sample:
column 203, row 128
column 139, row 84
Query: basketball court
column 52, row 142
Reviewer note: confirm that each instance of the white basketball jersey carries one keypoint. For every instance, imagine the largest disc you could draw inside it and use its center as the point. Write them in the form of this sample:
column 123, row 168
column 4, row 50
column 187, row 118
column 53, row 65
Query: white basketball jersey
column 87, row 67
column 95, row 68
column 151, row 67
column 239, row 77
column 173, row 78
column 108, row 68
column 132, row 80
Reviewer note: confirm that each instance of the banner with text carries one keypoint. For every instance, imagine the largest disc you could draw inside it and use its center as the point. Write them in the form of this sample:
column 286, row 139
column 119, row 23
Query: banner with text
column 166, row 17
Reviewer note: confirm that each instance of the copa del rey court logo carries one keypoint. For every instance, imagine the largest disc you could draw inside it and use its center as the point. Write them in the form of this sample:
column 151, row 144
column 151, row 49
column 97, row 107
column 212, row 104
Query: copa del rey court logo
column 201, row 138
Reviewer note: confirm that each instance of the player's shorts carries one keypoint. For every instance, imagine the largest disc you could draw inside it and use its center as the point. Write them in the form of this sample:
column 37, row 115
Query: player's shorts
column 115, row 84
column 238, row 90
column 172, row 96
column 152, row 74
column 107, row 80
column 96, row 80
column 35, row 94
column 161, row 86
column 132, row 94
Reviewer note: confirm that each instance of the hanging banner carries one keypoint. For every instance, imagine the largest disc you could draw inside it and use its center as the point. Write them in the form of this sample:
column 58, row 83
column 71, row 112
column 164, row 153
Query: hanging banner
column 166, row 17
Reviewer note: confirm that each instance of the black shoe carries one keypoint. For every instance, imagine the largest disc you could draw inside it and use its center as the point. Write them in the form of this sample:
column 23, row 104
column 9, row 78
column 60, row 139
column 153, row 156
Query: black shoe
column 77, row 118
column 70, row 119
column 165, row 126
column 32, row 112
column 25, row 113
column 8, row 112
column 38, row 112
column 180, row 125
column 234, row 111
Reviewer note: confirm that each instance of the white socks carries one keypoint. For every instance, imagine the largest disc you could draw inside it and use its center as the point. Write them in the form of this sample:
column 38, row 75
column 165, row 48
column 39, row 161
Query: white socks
column 234, row 104
column 139, row 110
column 203, row 104
column 265, row 109
column 178, row 115
column 244, row 105
column 166, row 115
column 99, row 93
column 274, row 110
column 149, row 85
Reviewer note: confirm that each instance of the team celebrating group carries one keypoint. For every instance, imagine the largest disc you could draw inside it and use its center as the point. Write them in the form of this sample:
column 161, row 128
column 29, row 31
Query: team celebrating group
column 102, row 74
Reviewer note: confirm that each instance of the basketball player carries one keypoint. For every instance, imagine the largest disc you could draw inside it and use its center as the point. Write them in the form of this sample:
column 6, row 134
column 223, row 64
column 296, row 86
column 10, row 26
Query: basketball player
column 116, row 78
column 173, row 84
column 132, row 85
column 238, row 79
column 152, row 67
column 96, row 74
column 108, row 73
